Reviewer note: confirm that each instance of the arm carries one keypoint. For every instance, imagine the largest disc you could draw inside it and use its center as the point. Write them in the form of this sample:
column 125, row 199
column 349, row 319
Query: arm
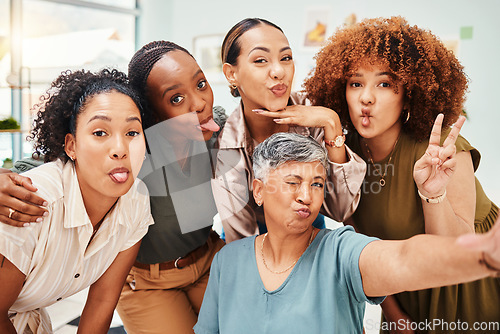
column 18, row 193
column 12, row 280
column 440, row 169
column 427, row 261
column 232, row 196
column 104, row 293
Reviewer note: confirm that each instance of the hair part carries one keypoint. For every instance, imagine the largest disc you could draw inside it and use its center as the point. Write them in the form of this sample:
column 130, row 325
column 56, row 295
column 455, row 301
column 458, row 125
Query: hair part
column 231, row 47
column 284, row 147
column 65, row 100
column 140, row 66
column 433, row 80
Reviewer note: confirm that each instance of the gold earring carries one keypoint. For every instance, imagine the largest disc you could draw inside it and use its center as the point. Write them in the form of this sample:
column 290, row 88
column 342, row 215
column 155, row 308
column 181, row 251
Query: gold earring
column 259, row 203
column 233, row 86
column 407, row 116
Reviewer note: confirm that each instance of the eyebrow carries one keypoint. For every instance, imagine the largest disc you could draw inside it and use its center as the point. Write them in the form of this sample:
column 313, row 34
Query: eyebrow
column 177, row 86
column 107, row 119
column 300, row 177
column 267, row 49
column 379, row 74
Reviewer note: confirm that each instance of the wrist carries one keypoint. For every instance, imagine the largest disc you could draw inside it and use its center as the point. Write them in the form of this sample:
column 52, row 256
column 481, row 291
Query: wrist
column 432, row 200
column 493, row 267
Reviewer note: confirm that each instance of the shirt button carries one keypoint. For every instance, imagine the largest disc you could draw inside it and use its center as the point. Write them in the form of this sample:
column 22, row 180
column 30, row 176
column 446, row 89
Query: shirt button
column 77, row 275
column 58, row 299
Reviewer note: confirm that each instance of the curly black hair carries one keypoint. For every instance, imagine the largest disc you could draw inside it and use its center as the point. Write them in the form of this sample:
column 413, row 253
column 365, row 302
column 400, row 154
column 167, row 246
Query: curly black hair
column 433, row 79
column 66, row 98
column 140, row 66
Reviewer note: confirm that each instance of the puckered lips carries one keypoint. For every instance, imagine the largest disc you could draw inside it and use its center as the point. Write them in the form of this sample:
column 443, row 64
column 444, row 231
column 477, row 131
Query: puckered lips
column 303, row 212
column 365, row 115
column 119, row 174
column 279, row 90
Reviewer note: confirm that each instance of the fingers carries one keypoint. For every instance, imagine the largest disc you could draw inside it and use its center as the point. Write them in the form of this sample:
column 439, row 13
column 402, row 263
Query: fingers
column 455, row 130
column 22, row 189
column 16, row 218
column 435, row 136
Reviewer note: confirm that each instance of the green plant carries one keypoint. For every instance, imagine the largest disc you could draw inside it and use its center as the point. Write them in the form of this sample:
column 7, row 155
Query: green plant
column 9, row 123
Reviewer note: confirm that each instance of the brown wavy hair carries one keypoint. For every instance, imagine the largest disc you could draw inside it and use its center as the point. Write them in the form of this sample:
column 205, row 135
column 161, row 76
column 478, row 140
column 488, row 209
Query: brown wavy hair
column 433, row 79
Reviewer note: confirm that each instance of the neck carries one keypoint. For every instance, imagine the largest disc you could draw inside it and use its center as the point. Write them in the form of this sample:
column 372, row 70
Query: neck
column 261, row 127
column 382, row 145
column 281, row 250
column 181, row 150
column 97, row 210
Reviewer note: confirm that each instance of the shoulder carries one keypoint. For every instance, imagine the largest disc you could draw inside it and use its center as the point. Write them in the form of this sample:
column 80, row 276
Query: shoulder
column 49, row 179
column 237, row 249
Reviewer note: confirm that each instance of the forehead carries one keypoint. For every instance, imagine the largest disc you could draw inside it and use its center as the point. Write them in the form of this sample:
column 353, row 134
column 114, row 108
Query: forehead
column 262, row 35
column 304, row 170
column 113, row 104
column 173, row 65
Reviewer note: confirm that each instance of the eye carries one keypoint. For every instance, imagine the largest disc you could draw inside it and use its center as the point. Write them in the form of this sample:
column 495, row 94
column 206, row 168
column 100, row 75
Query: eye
column 385, row 84
column 99, row 133
column 318, row 184
column 176, row 99
column 355, row 84
column 259, row 61
column 202, row 84
column 133, row 133
column 286, row 58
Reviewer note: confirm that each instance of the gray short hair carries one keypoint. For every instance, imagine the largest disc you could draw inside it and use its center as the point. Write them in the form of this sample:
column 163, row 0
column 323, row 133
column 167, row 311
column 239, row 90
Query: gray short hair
column 283, row 147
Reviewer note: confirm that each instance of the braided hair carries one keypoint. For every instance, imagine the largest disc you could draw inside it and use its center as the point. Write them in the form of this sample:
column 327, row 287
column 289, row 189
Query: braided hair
column 141, row 65
column 66, row 98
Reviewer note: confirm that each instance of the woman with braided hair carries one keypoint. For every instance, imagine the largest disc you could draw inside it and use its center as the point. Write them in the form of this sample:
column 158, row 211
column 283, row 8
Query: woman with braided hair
column 164, row 289
column 89, row 127
column 389, row 82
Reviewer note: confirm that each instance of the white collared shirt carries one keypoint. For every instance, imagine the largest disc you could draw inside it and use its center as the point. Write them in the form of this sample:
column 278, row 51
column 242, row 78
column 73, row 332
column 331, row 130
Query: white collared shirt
column 54, row 255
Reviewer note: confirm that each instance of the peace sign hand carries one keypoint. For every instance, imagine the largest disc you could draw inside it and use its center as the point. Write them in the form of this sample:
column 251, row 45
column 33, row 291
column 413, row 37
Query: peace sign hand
column 433, row 170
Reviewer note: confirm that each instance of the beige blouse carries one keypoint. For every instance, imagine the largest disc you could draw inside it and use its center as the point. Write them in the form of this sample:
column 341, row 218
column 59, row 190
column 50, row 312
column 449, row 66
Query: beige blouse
column 54, row 255
column 232, row 185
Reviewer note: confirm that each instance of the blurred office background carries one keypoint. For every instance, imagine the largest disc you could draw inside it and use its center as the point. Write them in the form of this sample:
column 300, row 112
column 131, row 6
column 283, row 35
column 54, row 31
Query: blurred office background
column 41, row 38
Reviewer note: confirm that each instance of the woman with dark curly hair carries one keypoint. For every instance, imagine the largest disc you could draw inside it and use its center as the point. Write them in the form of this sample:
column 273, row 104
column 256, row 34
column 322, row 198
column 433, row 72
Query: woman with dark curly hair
column 389, row 81
column 89, row 127
column 165, row 287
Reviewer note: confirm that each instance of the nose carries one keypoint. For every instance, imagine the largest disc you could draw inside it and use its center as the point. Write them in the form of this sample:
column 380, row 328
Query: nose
column 367, row 97
column 304, row 195
column 119, row 148
column 277, row 71
column 198, row 105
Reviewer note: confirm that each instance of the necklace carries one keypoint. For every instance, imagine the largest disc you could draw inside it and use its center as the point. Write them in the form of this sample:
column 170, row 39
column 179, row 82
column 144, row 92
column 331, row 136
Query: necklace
column 289, row 267
column 379, row 172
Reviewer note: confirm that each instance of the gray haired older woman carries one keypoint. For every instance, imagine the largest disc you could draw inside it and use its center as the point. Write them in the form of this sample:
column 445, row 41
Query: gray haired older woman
column 276, row 282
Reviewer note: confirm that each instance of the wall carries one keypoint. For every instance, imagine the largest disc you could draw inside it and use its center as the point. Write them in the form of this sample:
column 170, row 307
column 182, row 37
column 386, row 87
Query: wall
column 180, row 21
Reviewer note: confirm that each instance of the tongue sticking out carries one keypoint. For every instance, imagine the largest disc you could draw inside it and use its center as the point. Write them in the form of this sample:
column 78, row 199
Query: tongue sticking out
column 365, row 121
column 120, row 177
column 210, row 126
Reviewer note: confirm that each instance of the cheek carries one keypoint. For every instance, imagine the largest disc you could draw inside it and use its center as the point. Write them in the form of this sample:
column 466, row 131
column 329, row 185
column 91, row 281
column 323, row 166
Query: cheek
column 137, row 149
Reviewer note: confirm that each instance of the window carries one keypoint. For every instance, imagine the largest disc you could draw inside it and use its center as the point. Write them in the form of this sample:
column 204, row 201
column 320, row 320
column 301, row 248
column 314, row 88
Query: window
column 55, row 36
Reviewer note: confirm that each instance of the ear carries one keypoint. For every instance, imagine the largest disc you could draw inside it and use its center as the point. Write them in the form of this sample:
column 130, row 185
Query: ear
column 69, row 145
column 230, row 73
column 258, row 190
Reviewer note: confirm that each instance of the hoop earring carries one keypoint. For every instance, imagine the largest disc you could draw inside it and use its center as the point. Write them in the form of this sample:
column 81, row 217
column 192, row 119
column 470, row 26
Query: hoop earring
column 233, row 86
column 407, row 117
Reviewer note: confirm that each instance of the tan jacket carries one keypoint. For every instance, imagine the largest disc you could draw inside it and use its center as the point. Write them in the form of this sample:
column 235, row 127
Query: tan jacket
column 232, row 185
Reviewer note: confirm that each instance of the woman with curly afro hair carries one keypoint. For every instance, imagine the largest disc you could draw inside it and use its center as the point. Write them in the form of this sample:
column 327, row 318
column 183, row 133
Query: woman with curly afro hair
column 89, row 128
column 392, row 85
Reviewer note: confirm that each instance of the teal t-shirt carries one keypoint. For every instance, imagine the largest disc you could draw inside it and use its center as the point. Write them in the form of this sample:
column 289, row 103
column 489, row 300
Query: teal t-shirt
column 323, row 293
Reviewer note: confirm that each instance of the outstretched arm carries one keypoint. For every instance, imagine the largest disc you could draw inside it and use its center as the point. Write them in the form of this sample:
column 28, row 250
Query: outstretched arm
column 104, row 293
column 427, row 261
